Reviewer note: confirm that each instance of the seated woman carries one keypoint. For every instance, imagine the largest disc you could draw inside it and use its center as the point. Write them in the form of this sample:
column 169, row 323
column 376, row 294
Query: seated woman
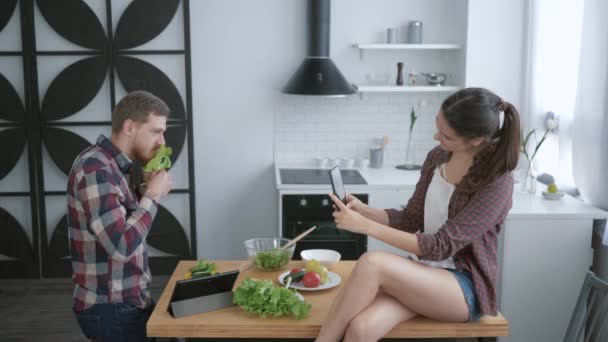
column 451, row 224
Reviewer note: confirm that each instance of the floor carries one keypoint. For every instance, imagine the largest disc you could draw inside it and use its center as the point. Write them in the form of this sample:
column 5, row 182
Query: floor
column 40, row 310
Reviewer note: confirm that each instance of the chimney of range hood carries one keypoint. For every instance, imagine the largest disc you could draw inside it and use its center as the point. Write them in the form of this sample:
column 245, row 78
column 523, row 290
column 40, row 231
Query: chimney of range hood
column 318, row 75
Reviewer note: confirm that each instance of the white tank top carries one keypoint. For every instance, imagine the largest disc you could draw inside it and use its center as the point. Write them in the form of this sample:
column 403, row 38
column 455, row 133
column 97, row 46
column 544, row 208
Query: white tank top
column 436, row 205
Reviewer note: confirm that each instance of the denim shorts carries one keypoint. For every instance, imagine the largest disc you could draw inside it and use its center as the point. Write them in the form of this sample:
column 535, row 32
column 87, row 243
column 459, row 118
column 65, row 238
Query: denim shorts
column 114, row 322
column 466, row 284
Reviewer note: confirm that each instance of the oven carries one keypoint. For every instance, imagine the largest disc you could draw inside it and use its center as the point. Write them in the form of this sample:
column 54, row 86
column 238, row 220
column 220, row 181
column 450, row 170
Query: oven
column 302, row 211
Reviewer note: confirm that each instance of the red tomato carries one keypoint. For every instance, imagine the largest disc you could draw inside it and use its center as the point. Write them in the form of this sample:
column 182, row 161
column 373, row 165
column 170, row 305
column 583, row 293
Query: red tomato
column 311, row 279
column 295, row 270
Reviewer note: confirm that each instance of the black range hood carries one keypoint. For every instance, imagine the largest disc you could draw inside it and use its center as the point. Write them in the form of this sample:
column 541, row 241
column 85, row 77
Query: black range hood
column 318, row 75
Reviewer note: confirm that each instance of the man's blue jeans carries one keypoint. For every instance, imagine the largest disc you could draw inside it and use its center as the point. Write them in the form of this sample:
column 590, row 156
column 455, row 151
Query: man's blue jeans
column 115, row 322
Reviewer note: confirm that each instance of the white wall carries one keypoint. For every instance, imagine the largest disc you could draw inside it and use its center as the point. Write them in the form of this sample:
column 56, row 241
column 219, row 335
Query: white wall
column 495, row 47
column 244, row 51
column 309, row 128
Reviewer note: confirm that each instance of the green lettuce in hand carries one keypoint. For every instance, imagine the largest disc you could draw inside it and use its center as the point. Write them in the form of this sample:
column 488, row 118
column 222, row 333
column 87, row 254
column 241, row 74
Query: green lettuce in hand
column 160, row 161
column 262, row 297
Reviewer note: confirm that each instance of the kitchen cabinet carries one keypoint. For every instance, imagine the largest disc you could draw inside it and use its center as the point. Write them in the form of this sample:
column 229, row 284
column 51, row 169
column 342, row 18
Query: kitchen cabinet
column 542, row 267
column 387, row 198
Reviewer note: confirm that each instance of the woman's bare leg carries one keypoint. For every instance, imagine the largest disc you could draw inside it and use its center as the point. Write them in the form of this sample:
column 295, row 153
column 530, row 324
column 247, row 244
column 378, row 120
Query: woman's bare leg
column 430, row 291
column 377, row 319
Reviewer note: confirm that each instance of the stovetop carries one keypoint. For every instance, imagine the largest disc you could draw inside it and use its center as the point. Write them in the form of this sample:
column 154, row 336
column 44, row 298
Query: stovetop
column 318, row 176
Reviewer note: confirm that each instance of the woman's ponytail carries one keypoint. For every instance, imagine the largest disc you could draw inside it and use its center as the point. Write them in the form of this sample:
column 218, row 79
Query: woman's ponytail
column 509, row 139
column 475, row 112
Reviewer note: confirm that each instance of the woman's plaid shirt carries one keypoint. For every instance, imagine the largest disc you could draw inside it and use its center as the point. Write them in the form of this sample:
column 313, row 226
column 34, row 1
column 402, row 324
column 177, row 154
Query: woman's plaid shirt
column 107, row 226
column 470, row 235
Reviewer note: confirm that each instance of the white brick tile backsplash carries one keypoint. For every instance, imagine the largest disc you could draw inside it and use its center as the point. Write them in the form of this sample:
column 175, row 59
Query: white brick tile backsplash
column 308, row 127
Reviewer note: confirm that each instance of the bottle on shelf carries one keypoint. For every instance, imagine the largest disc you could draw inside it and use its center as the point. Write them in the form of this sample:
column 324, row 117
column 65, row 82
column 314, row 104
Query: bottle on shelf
column 400, row 73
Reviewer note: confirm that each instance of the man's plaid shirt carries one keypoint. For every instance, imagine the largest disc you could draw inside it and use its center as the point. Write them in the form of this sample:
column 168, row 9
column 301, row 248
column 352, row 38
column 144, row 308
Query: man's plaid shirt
column 470, row 235
column 107, row 226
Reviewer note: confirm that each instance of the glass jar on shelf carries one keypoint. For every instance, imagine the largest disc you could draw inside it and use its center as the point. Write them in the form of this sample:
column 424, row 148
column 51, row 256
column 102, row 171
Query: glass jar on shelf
column 412, row 77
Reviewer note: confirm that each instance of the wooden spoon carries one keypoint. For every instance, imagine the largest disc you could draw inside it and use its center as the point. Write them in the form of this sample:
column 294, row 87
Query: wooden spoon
column 384, row 142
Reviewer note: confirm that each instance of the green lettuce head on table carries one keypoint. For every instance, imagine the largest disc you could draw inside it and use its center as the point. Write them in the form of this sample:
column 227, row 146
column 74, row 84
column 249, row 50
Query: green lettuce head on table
column 160, row 161
column 262, row 297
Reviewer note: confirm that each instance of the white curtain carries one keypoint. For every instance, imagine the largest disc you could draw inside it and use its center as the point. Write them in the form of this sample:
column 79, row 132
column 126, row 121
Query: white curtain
column 567, row 73
column 553, row 47
column 590, row 126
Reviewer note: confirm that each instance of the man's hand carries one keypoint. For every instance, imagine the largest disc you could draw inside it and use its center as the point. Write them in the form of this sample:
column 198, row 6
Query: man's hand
column 348, row 219
column 159, row 184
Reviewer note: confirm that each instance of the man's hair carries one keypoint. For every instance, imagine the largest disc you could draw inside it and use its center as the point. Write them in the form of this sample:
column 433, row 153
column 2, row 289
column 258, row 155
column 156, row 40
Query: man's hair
column 137, row 105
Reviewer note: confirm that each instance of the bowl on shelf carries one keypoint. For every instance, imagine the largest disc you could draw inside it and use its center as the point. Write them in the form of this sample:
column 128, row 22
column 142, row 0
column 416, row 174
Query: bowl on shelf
column 435, row 78
column 325, row 257
column 265, row 255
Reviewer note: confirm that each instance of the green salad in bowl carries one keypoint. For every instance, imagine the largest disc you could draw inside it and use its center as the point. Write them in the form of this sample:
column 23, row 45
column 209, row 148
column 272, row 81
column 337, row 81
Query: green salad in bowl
column 266, row 255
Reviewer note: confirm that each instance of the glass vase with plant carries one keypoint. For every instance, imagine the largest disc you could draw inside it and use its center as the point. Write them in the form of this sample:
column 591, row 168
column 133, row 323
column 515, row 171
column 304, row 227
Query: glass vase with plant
column 528, row 183
column 409, row 150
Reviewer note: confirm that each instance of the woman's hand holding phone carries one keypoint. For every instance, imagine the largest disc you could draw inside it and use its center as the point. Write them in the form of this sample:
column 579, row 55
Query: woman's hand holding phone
column 353, row 203
column 347, row 218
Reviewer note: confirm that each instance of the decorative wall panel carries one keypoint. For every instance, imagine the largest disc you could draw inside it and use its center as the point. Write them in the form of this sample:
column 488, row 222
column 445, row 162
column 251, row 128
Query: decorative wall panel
column 63, row 66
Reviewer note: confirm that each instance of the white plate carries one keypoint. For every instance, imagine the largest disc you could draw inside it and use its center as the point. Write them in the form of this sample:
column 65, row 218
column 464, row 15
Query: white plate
column 333, row 279
column 553, row 196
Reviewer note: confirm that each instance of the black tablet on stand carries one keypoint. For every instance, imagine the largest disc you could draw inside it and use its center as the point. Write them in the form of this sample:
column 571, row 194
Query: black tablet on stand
column 192, row 296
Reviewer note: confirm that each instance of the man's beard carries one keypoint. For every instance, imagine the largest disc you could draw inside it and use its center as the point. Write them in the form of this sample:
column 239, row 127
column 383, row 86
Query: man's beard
column 141, row 156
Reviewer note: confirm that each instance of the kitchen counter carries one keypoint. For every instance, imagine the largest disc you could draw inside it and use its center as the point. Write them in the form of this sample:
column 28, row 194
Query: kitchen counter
column 384, row 178
column 390, row 178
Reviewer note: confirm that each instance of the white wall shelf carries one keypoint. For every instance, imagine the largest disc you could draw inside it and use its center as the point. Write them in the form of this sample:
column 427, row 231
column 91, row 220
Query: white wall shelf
column 363, row 47
column 404, row 89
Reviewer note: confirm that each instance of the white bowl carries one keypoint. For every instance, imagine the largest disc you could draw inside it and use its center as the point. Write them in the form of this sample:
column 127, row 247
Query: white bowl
column 325, row 257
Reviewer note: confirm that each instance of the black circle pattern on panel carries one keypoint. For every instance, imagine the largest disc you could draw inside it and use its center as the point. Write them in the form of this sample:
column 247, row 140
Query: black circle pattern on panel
column 136, row 74
column 59, row 246
column 7, row 7
column 74, row 21
column 11, row 108
column 74, row 88
column 13, row 242
column 167, row 234
column 63, row 147
column 138, row 25
column 15, row 139
column 33, row 123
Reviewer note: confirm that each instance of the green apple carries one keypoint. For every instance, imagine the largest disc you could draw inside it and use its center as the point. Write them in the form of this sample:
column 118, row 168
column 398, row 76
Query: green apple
column 552, row 188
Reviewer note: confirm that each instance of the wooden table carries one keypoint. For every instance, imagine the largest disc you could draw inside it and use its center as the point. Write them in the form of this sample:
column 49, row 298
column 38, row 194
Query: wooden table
column 233, row 322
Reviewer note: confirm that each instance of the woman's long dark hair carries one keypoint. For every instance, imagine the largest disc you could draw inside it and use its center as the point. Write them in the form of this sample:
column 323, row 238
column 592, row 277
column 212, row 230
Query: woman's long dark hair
column 474, row 113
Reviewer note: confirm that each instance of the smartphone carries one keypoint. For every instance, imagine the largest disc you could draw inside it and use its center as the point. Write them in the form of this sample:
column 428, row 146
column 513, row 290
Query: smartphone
column 336, row 183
